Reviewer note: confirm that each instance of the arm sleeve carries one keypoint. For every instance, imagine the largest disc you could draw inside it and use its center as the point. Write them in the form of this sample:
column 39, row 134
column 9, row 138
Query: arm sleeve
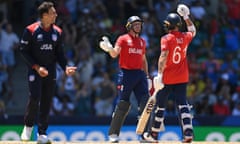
column 190, row 36
column 25, row 48
column 164, row 44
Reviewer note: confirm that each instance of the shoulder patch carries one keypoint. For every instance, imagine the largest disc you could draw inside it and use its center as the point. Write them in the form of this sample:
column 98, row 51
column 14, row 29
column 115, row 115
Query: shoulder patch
column 33, row 27
column 169, row 36
column 57, row 28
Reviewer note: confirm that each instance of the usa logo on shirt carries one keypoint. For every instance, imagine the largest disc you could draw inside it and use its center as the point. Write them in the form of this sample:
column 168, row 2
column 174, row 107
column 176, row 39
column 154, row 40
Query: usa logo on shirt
column 54, row 37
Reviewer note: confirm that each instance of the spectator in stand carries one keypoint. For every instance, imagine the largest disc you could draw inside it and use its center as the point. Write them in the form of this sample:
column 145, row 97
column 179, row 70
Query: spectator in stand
column 71, row 5
column 62, row 105
column 231, row 34
column 9, row 42
column 233, row 11
column 223, row 89
column 104, row 98
column 198, row 11
column 202, row 107
column 70, row 84
column 117, row 28
column 220, row 108
column 193, row 64
column 63, row 12
column 83, row 101
column 3, row 78
column 3, row 110
column 213, row 30
column 212, row 7
column 236, row 109
column 161, row 9
column 231, row 67
column 210, row 68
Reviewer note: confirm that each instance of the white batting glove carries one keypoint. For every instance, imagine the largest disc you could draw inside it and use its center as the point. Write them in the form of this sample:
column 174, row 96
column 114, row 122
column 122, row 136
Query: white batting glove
column 149, row 83
column 105, row 44
column 157, row 82
column 183, row 11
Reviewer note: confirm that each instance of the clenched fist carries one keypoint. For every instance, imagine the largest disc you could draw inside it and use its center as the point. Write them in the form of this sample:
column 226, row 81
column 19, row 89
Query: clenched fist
column 157, row 82
column 183, row 11
column 70, row 70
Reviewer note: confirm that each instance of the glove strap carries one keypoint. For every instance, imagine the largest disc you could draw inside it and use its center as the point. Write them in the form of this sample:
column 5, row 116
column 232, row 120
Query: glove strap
column 160, row 75
column 185, row 17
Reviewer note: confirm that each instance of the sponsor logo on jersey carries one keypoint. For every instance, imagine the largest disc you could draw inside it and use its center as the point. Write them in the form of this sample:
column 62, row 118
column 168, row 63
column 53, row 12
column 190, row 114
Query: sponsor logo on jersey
column 135, row 51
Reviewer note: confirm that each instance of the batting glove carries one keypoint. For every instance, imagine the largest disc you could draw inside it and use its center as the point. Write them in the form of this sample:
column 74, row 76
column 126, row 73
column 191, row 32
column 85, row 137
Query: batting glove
column 149, row 83
column 157, row 82
column 105, row 44
column 183, row 11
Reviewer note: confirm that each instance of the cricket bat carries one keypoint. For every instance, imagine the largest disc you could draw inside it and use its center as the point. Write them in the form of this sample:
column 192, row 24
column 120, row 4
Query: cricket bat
column 142, row 122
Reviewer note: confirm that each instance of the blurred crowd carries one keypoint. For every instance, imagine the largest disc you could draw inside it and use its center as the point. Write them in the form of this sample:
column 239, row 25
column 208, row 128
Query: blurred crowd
column 214, row 86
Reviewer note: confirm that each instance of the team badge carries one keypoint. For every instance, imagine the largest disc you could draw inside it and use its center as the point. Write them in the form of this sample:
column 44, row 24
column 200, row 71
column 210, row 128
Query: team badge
column 54, row 37
column 40, row 37
column 129, row 42
column 31, row 78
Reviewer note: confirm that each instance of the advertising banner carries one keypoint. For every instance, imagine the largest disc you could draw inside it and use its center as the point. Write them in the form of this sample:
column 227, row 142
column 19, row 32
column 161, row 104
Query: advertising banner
column 99, row 133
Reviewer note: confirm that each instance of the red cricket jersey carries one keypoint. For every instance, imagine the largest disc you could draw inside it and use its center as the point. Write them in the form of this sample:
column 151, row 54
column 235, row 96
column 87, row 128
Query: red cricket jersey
column 132, row 51
column 176, row 69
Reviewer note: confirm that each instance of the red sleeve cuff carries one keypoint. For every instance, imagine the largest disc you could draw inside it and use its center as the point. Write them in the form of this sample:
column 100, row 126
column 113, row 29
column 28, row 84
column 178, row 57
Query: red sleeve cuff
column 35, row 66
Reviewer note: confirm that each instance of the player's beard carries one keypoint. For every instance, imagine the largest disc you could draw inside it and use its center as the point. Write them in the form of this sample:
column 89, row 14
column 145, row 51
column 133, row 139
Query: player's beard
column 136, row 33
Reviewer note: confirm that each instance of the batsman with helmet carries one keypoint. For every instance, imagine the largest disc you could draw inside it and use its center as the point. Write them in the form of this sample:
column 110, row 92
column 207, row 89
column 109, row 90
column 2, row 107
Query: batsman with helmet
column 131, row 49
column 173, row 74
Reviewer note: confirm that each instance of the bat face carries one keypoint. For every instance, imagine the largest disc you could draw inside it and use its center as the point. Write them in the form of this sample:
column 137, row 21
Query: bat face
column 142, row 122
column 149, row 106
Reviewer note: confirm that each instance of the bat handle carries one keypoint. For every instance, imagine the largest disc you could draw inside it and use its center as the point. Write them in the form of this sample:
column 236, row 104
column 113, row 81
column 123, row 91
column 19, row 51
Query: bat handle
column 155, row 93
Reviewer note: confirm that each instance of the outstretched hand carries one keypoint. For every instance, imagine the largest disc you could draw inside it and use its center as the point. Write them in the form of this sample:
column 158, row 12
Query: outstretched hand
column 105, row 44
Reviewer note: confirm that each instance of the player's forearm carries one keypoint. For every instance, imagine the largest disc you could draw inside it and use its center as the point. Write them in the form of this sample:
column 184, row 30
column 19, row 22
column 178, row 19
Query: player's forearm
column 162, row 61
column 145, row 66
column 114, row 52
column 190, row 26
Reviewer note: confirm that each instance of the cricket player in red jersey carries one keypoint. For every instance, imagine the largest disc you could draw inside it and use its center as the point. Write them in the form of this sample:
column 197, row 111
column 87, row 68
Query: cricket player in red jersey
column 131, row 49
column 173, row 74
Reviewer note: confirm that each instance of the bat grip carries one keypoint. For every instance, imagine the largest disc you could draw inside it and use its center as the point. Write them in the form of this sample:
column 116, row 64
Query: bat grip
column 153, row 97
